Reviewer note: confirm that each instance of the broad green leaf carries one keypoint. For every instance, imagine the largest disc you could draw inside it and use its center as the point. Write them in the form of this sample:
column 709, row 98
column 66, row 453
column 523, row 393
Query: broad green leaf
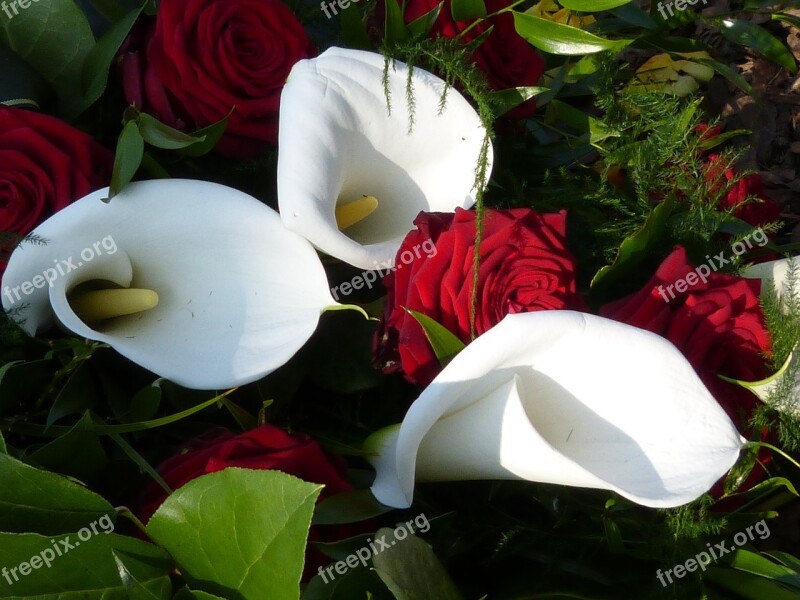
column 411, row 570
column 635, row 249
column 20, row 85
column 720, row 139
column 785, row 559
column 53, row 37
column 130, row 149
column 749, row 586
column 445, row 344
column 348, row 507
column 631, row 13
column 466, row 10
column 86, row 569
column 145, row 403
column 32, row 500
column 239, row 530
column 157, row 134
column 556, row 38
column 135, row 589
column 753, row 36
column 3, row 448
column 78, row 453
column 505, row 100
column 100, row 58
column 592, row 5
column 582, row 122
column 756, row 564
column 421, row 26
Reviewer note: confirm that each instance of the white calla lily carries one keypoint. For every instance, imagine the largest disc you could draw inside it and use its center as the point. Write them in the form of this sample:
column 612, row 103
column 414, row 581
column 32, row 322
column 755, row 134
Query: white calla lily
column 226, row 293
column 338, row 143
column 567, row 398
column 777, row 272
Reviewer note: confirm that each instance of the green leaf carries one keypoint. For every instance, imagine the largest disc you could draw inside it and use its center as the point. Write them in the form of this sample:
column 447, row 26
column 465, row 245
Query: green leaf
column 76, row 397
column 764, row 387
column 506, row 100
column 20, row 85
column 207, row 137
column 157, row 134
column 790, row 19
column 85, row 571
column 556, row 38
column 753, row 36
column 21, row 381
column 78, row 453
column 411, row 570
column 54, row 38
column 466, row 10
column 134, row 588
column 631, row 13
column 239, row 532
column 635, row 249
column 189, row 594
column 445, row 344
column 421, row 26
column 3, row 448
column 32, row 500
column 394, row 26
column 348, row 507
column 592, row 5
column 756, row 564
column 728, row 73
column 130, row 149
column 100, row 58
column 145, row 403
column 354, row 29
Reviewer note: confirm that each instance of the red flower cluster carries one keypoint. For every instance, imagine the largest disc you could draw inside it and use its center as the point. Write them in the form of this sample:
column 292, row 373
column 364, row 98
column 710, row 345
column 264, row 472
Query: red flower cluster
column 202, row 59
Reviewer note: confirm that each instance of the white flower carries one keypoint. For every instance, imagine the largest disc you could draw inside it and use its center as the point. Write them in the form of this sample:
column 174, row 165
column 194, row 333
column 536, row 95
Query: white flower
column 226, row 294
column 567, row 398
column 338, row 143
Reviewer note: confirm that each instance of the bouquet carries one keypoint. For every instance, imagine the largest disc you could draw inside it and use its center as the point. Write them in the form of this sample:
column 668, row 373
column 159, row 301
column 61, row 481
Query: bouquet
column 452, row 300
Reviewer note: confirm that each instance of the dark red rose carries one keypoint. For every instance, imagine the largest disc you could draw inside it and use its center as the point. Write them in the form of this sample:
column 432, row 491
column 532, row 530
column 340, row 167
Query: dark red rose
column 746, row 198
column 45, row 165
column 505, row 57
column 524, row 267
column 203, row 58
column 717, row 324
column 266, row 447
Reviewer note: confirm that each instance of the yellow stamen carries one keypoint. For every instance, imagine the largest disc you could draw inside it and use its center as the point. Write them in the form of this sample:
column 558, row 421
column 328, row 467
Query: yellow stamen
column 355, row 211
column 99, row 305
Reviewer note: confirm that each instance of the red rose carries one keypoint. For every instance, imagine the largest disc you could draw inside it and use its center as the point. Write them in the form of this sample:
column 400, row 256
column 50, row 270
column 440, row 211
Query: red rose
column 716, row 323
column 266, row 447
column 203, row 58
column 505, row 57
column 746, row 198
column 45, row 165
column 524, row 267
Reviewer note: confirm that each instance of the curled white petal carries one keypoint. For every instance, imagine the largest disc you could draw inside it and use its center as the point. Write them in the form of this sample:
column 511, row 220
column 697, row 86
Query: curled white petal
column 338, row 142
column 567, row 398
column 239, row 294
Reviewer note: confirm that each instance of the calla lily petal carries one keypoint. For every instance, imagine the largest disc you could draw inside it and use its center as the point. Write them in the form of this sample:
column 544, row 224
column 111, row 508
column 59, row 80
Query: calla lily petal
column 338, row 142
column 238, row 294
column 776, row 271
column 567, row 398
